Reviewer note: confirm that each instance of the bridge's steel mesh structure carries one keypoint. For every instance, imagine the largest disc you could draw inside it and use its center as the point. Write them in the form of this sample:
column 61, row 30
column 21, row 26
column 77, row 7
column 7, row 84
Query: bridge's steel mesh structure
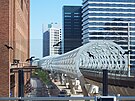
column 94, row 56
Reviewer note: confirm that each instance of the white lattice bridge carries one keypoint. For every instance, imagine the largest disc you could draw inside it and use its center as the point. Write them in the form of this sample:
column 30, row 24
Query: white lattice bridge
column 94, row 56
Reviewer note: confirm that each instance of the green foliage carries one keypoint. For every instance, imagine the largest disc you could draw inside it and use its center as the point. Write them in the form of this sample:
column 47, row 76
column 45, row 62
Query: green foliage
column 43, row 75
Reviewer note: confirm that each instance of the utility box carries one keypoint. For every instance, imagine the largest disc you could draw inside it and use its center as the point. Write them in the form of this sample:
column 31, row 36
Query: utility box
column 105, row 98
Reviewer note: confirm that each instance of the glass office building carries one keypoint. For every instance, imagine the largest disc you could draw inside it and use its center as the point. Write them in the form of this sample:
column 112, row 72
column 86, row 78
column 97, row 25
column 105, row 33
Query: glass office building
column 110, row 20
column 72, row 28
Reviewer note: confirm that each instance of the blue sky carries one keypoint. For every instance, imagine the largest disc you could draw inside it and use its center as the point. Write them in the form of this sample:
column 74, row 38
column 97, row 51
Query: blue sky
column 45, row 12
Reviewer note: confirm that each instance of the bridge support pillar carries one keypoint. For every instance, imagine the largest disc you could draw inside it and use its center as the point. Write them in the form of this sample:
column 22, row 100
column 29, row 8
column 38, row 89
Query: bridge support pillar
column 62, row 79
column 82, row 83
column 72, row 86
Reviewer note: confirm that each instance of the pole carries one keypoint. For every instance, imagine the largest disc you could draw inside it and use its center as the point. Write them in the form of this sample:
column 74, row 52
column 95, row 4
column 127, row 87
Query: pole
column 105, row 82
column 20, row 83
column 128, row 55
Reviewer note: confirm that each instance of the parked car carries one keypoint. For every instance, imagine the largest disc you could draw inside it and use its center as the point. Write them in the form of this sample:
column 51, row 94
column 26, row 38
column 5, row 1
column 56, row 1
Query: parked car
column 63, row 93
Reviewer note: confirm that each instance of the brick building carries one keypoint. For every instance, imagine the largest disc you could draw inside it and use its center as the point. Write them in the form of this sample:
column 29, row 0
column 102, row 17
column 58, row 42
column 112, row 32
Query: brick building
column 14, row 32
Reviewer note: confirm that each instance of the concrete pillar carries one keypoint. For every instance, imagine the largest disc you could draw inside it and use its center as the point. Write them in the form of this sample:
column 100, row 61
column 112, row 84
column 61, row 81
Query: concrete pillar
column 62, row 79
column 82, row 83
column 66, row 80
column 72, row 87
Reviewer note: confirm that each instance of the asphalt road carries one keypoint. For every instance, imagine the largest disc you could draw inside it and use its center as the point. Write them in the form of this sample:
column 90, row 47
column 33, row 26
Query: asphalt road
column 38, row 88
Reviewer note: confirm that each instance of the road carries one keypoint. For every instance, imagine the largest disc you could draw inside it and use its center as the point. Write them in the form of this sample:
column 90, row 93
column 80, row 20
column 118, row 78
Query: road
column 38, row 88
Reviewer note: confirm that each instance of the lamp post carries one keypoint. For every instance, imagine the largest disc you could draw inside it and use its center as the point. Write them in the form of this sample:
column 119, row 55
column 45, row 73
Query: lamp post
column 128, row 50
column 128, row 55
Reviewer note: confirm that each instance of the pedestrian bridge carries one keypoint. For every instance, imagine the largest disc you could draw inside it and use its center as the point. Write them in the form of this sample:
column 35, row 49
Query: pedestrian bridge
column 94, row 56
column 89, row 60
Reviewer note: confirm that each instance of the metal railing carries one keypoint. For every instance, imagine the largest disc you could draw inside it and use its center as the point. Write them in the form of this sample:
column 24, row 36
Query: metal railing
column 121, row 98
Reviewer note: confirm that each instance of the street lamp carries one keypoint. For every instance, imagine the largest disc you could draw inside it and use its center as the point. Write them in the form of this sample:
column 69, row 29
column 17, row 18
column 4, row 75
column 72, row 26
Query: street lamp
column 128, row 50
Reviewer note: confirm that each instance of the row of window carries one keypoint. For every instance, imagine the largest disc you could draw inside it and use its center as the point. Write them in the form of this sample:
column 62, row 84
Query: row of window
column 111, row 14
column 100, row 19
column 108, row 23
column 73, row 25
column 113, row 29
column 105, row 24
column 107, row 38
column 108, row 33
column 109, row 20
column 76, row 28
column 75, row 16
column 111, row 38
column 130, row 1
column 98, row 32
column 109, row 9
column 72, row 22
column 72, row 19
column 112, row 5
column 71, row 13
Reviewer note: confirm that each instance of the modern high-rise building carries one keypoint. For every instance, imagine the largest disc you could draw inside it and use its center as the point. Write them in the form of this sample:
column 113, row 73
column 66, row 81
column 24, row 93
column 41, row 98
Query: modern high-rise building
column 14, row 43
column 110, row 20
column 52, row 41
column 72, row 28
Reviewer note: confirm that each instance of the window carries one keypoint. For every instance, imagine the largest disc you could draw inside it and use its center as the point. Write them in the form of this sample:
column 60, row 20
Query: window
column 76, row 16
column 67, row 16
column 67, row 13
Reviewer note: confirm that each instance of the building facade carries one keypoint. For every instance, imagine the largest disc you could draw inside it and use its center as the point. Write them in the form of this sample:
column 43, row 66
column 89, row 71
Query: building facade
column 110, row 20
column 72, row 28
column 52, row 41
column 15, row 33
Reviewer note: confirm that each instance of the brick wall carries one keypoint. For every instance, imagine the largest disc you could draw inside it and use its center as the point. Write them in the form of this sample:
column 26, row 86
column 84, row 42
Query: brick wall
column 21, row 35
column 4, row 52
column 14, row 31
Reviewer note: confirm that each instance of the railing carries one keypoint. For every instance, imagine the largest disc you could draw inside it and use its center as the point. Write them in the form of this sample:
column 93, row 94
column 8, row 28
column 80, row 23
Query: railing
column 121, row 98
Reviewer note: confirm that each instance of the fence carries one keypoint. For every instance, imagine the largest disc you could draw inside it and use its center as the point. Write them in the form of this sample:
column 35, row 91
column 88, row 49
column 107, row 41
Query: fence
column 121, row 98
